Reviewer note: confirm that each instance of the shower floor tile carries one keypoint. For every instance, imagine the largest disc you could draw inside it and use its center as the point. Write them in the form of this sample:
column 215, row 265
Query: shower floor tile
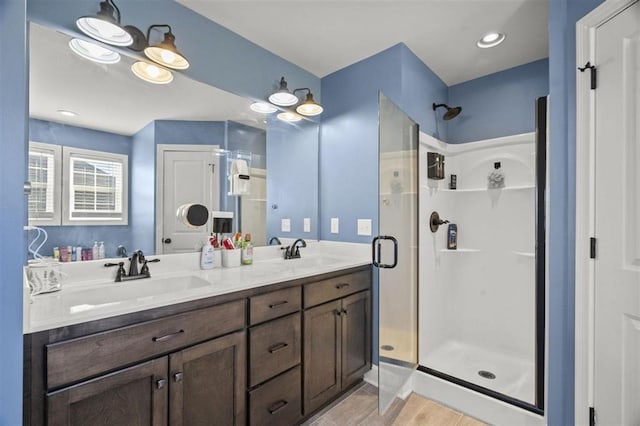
column 513, row 377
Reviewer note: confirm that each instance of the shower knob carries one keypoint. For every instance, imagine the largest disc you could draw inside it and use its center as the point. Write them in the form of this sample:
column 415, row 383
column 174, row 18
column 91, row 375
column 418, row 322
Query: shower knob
column 435, row 221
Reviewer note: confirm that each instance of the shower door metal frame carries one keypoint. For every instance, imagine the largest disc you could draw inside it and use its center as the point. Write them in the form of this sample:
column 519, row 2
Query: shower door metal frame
column 540, row 279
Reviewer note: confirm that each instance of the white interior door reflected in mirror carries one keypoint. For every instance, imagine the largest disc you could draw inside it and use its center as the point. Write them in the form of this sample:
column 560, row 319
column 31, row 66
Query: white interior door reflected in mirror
column 188, row 176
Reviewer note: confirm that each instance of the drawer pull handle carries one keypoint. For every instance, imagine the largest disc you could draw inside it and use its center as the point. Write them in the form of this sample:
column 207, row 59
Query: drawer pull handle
column 276, row 304
column 167, row 336
column 160, row 383
column 277, row 347
column 177, row 377
column 342, row 285
column 278, row 406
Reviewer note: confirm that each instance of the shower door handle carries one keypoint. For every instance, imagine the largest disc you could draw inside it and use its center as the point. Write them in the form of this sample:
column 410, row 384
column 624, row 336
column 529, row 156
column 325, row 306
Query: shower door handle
column 376, row 248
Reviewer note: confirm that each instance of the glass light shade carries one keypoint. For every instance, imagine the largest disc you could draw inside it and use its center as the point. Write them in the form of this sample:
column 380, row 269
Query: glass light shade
column 309, row 107
column 167, row 54
column 93, row 52
column 491, row 39
column 263, row 107
column 152, row 73
column 104, row 30
column 289, row 117
column 283, row 98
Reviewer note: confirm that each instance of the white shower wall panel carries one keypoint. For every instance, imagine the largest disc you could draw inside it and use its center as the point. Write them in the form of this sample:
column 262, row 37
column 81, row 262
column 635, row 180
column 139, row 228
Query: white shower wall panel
column 483, row 293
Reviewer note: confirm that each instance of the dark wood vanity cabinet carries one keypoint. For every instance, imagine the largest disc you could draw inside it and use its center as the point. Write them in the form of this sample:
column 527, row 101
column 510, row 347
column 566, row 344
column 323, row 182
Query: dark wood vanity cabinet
column 337, row 338
column 266, row 356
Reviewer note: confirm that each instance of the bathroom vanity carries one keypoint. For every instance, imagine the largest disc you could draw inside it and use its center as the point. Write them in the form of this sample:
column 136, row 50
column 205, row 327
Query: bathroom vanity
column 264, row 354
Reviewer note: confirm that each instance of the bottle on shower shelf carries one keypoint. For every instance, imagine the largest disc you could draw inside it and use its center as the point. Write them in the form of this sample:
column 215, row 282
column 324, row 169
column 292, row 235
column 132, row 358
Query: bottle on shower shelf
column 496, row 177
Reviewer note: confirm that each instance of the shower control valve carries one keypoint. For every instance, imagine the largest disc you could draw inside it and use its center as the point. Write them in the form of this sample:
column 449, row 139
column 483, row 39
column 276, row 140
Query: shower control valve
column 435, row 221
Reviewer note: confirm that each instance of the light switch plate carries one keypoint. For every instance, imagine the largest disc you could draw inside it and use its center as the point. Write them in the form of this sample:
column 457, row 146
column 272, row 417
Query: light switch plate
column 285, row 225
column 335, row 225
column 307, row 224
column 364, row 226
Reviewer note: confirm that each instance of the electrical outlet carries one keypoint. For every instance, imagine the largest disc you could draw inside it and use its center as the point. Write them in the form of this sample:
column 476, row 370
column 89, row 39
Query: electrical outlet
column 285, row 225
column 335, row 225
column 307, row 224
column 364, row 226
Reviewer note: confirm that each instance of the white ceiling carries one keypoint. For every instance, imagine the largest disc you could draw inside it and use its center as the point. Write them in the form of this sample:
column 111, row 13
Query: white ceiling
column 323, row 36
column 110, row 98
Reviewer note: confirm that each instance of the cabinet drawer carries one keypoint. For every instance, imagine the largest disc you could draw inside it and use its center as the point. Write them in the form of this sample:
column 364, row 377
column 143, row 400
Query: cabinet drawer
column 278, row 401
column 274, row 347
column 335, row 288
column 88, row 356
column 273, row 305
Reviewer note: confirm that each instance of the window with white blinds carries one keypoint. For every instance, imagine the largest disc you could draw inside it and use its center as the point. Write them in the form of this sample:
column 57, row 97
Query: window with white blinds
column 45, row 177
column 95, row 187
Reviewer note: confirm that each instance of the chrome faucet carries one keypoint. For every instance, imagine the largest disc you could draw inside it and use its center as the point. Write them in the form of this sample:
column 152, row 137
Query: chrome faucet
column 293, row 251
column 136, row 258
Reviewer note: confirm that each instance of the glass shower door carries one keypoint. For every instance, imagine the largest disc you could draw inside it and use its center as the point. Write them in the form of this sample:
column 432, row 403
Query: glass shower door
column 395, row 251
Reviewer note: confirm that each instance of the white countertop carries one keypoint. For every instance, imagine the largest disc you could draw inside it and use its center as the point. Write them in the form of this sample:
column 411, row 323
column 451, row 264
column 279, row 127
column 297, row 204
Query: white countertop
column 90, row 293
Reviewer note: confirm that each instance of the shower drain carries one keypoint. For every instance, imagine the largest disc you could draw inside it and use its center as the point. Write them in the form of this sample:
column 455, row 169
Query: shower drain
column 387, row 347
column 486, row 374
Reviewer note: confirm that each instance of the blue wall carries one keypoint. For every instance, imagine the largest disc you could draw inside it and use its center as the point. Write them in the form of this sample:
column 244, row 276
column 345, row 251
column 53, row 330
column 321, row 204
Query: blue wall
column 13, row 172
column 292, row 176
column 498, row 104
column 563, row 15
column 142, row 192
column 80, row 137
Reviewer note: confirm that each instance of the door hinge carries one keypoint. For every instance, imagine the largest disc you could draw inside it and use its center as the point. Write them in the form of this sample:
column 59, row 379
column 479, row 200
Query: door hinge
column 592, row 69
column 592, row 248
column 592, row 416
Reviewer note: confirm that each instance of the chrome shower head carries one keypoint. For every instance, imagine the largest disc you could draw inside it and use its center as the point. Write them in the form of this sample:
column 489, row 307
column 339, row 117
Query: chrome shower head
column 451, row 112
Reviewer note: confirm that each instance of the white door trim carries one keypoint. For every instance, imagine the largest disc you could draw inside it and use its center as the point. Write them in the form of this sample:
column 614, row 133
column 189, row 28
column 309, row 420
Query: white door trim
column 160, row 150
column 585, row 206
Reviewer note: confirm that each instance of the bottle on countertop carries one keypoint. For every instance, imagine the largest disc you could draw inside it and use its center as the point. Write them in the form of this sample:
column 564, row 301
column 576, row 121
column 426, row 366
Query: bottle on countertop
column 95, row 251
column 101, row 250
column 206, row 257
column 452, row 237
column 247, row 250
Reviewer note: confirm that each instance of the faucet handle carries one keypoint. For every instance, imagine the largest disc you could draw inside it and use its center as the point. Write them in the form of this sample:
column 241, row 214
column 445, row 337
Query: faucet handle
column 121, row 272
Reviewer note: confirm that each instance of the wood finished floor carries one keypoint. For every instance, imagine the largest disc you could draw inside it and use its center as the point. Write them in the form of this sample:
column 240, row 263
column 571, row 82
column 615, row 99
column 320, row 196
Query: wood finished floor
column 360, row 407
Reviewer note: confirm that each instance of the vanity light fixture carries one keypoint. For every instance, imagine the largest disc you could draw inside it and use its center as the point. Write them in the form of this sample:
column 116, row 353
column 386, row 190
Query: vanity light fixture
column 263, row 107
column 166, row 53
column 152, row 73
column 105, row 25
column 289, row 117
column 491, row 39
column 93, row 51
column 309, row 107
column 283, row 97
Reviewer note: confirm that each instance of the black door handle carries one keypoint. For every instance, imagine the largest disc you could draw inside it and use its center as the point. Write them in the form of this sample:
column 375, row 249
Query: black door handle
column 167, row 241
column 376, row 248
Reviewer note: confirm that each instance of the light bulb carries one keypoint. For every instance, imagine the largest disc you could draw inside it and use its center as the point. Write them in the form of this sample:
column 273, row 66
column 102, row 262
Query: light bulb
column 168, row 56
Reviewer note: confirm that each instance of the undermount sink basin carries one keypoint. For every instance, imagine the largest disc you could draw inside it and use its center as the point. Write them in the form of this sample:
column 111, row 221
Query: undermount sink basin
column 109, row 294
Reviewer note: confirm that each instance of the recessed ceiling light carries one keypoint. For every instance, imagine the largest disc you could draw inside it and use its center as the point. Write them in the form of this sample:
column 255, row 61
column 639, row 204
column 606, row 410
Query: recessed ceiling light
column 263, row 107
column 152, row 73
column 289, row 117
column 93, row 52
column 491, row 39
column 67, row 113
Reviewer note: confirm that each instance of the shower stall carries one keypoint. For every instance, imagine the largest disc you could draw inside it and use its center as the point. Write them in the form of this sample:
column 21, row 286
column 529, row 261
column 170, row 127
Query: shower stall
column 480, row 293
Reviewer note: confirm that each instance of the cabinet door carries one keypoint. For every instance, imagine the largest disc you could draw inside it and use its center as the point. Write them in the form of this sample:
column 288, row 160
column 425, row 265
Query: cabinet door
column 135, row 396
column 208, row 382
column 356, row 337
column 322, row 349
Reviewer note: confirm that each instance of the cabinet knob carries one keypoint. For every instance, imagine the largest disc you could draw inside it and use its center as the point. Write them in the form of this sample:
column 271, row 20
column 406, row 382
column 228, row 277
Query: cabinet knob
column 177, row 377
column 344, row 311
column 337, row 312
column 167, row 241
column 160, row 383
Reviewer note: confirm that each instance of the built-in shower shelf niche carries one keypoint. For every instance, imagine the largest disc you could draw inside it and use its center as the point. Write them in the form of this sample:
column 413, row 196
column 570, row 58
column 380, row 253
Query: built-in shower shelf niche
column 459, row 250
column 506, row 188
column 525, row 254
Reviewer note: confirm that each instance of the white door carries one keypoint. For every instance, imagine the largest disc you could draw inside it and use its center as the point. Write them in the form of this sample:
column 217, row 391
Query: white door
column 617, row 223
column 188, row 177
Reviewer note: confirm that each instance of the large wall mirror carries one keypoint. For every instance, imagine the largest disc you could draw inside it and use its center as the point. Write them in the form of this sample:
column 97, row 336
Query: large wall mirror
column 183, row 142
